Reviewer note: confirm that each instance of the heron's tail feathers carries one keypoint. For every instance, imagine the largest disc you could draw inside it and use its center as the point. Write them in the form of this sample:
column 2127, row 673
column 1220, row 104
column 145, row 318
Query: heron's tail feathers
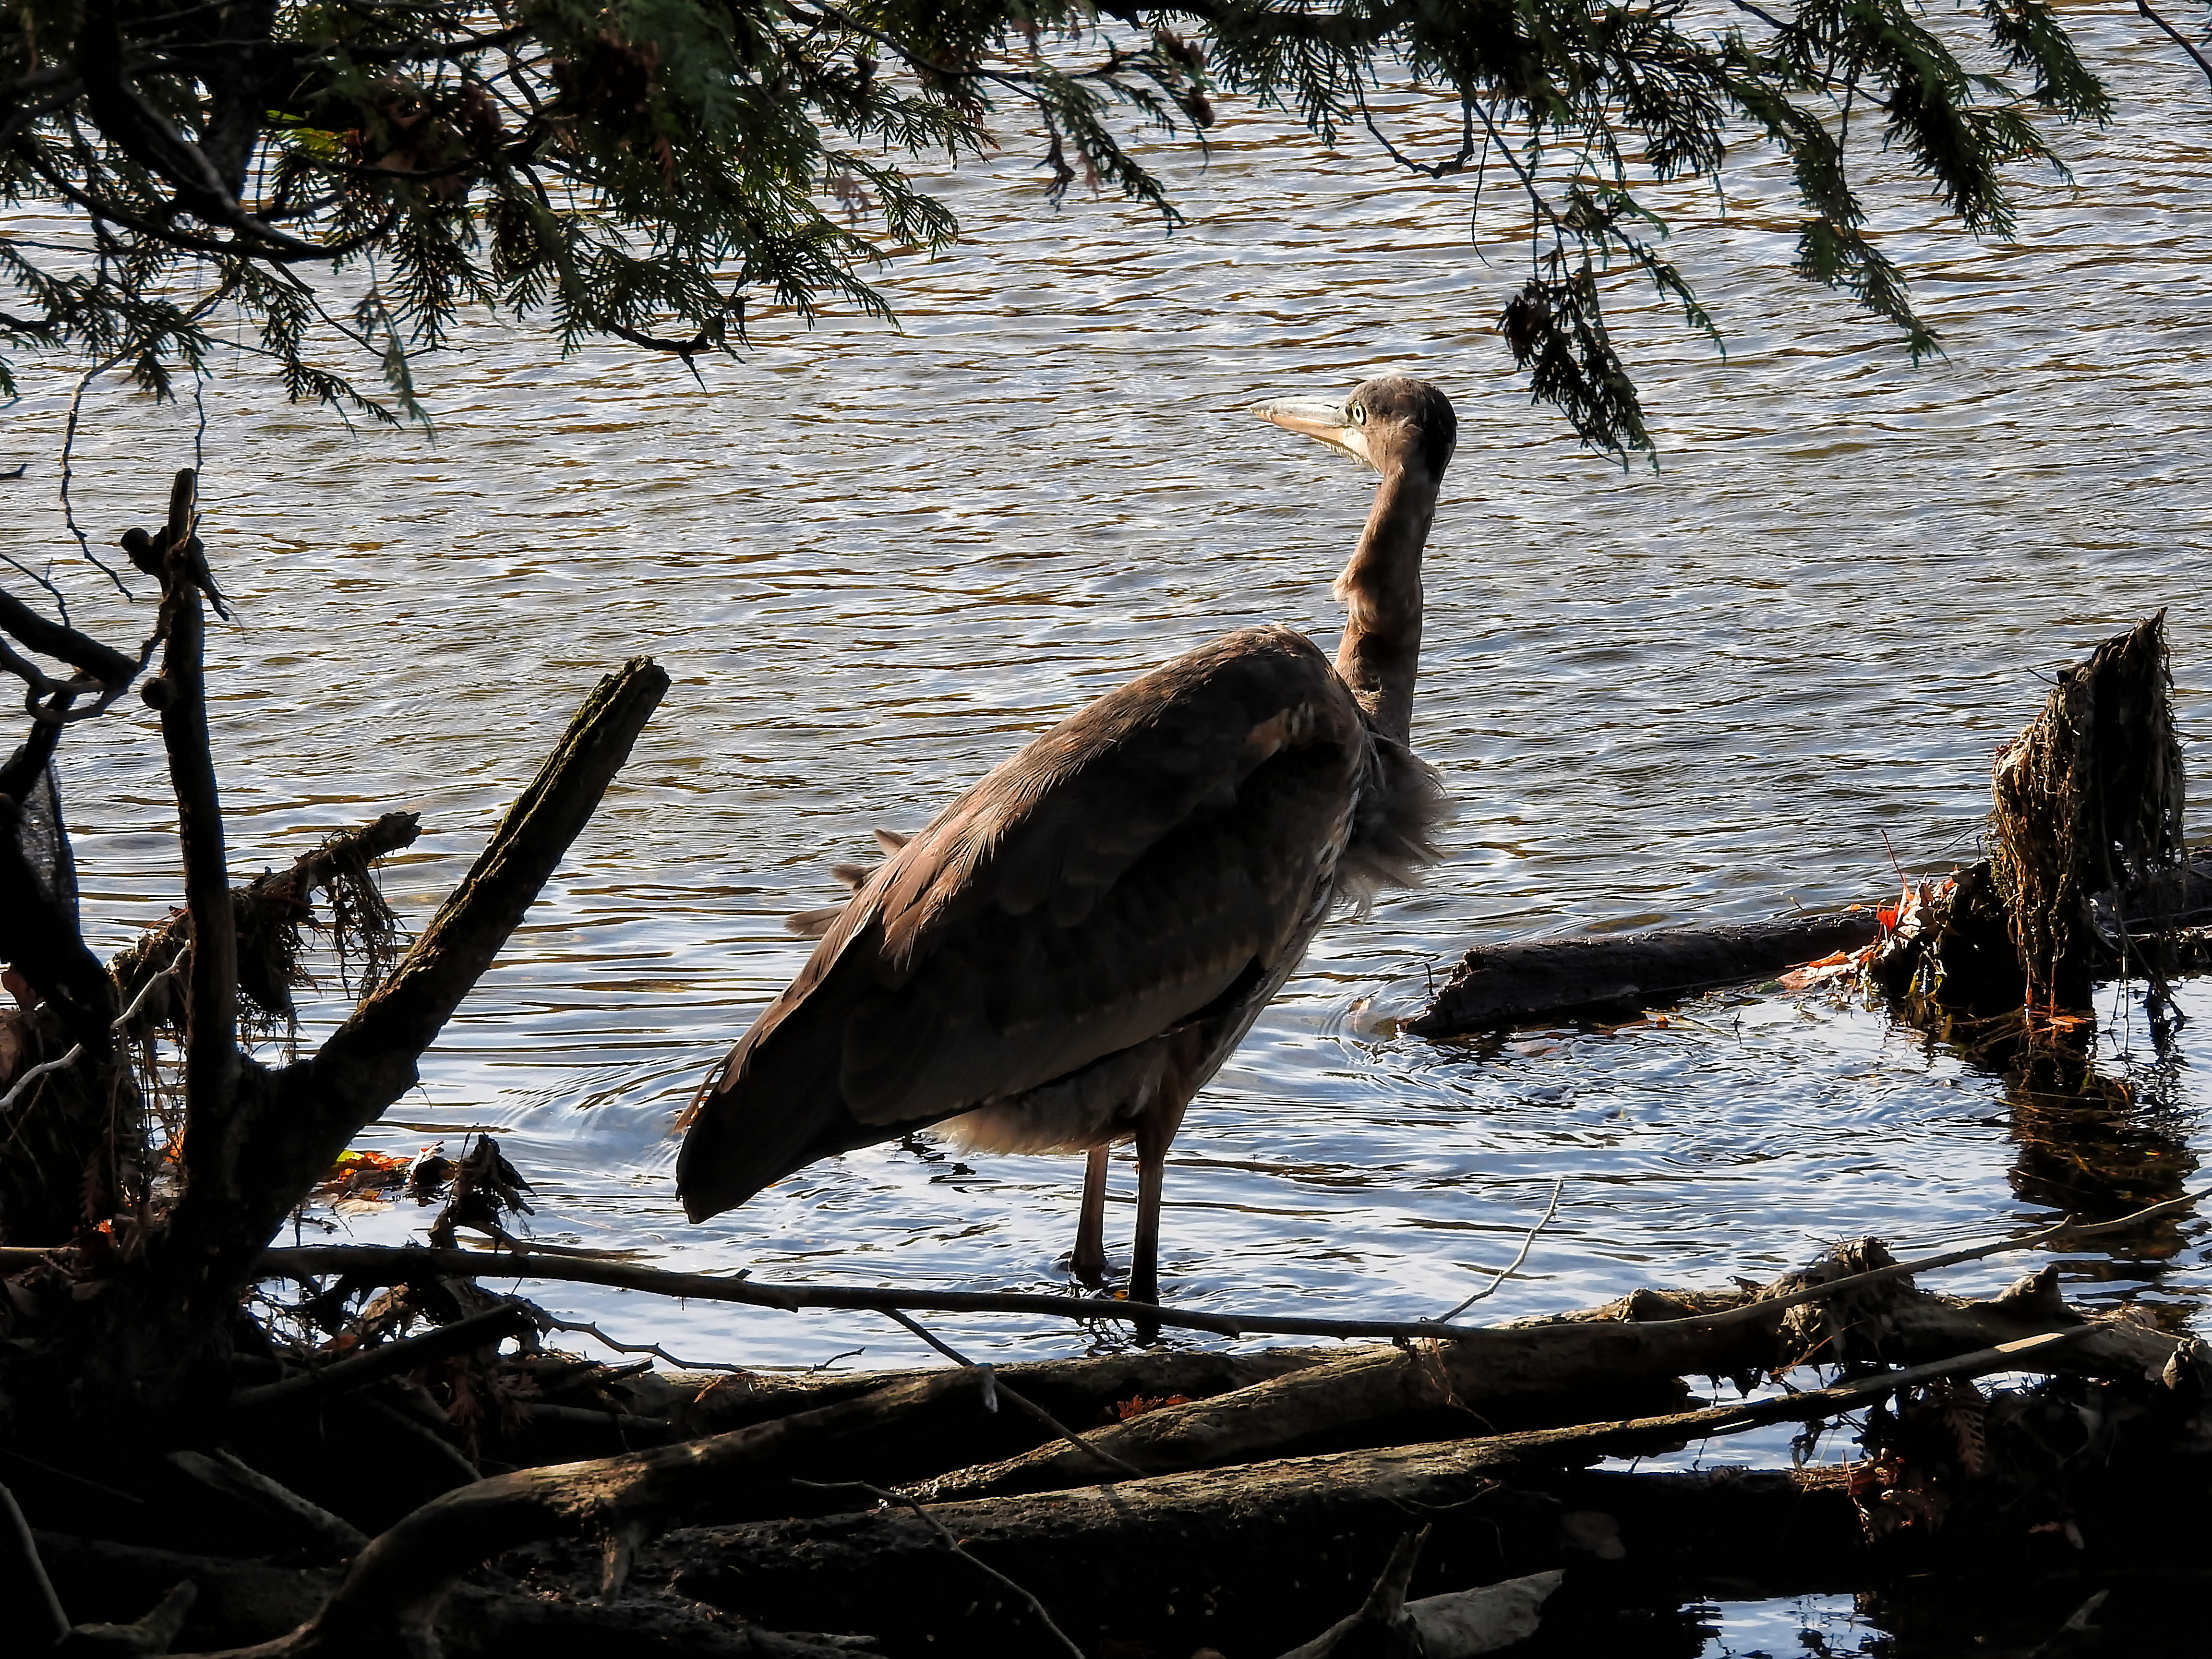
column 1401, row 809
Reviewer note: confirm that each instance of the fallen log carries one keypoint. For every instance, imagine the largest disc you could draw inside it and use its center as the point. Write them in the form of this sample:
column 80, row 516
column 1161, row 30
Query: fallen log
column 1568, row 1370
column 1080, row 1391
column 1248, row 1561
column 243, row 1602
column 391, row 1598
column 1618, row 1361
column 1547, row 978
column 1260, row 1555
column 1595, row 974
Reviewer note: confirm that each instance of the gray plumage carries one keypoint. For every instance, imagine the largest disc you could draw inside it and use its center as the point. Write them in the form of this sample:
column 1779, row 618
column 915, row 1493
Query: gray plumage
column 1064, row 957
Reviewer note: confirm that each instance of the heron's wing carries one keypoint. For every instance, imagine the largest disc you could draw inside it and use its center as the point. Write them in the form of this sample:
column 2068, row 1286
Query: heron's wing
column 1139, row 863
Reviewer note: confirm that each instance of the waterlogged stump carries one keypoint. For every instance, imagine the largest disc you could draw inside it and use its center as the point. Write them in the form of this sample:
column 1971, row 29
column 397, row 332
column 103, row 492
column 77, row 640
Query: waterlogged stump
column 2088, row 799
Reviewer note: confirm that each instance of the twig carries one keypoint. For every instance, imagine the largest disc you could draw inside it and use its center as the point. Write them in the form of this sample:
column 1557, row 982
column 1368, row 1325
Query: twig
column 1764, row 1305
column 23, row 1575
column 585, row 1328
column 392, row 1359
column 397, row 1265
column 2176, row 36
column 1811, row 1404
column 992, row 1386
column 68, row 477
column 393, row 1265
column 883, row 1495
column 1512, row 1267
column 34, row 1074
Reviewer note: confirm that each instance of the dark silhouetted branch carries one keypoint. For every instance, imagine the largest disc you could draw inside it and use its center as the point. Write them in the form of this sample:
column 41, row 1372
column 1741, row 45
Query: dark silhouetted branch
column 392, row 1359
column 381, row 1264
column 212, row 1062
column 303, row 1116
column 392, row 1595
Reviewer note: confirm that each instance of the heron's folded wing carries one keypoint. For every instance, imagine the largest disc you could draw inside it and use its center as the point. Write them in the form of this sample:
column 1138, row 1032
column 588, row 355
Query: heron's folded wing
column 1114, row 878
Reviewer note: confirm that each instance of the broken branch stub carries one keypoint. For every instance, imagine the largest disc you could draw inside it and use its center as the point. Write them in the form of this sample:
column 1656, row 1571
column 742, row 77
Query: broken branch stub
column 2088, row 799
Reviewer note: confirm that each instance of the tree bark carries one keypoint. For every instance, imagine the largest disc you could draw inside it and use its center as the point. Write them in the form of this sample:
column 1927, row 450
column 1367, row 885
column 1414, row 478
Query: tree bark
column 1562, row 1373
column 214, row 1114
column 2086, row 800
column 246, row 1602
column 1252, row 1560
column 1546, row 978
column 390, row 1598
column 299, row 1119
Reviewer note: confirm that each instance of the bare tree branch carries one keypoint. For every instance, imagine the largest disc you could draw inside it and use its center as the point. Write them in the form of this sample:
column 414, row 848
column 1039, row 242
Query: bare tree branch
column 301, row 1117
column 212, row 1061
column 2177, row 37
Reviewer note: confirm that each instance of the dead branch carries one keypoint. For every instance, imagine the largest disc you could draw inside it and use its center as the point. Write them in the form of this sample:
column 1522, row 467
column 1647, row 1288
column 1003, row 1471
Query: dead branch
column 1559, row 1371
column 24, row 1585
column 302, row 1116
column 1379, row 1629
column 179, row 694
column 392, row 1595
column 392, row 1359
column 272, row 900
column 64, row 644
column 2068, row 1228
column 379, row 1264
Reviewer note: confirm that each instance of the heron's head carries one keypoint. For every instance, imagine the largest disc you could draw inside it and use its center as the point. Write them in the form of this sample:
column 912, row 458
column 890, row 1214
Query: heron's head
column 1393, row 423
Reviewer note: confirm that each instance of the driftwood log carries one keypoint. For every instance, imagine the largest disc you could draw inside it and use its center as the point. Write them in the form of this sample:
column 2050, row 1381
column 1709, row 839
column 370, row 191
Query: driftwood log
column 1550, row 978
column 1591, row 975
column 1250, row 1518
column 2086, row 873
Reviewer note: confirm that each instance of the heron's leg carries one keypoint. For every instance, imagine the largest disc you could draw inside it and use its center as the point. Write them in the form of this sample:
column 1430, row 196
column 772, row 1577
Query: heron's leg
column 1089, row 1262
column 1155, row 1129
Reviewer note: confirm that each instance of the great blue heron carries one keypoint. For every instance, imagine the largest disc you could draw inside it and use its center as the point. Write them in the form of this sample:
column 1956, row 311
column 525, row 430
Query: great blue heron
column 1071, row 949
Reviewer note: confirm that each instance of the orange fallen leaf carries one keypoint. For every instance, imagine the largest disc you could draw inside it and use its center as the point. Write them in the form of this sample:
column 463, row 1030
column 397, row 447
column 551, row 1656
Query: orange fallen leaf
column 1138, row 1404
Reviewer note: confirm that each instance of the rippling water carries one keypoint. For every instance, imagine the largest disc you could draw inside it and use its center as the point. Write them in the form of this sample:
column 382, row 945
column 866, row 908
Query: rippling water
column 876, row 563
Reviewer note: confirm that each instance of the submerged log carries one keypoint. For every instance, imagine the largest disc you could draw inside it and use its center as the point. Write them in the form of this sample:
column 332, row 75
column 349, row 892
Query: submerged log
column 1248, row 1561
column 240, row 1602
column 1550, row 978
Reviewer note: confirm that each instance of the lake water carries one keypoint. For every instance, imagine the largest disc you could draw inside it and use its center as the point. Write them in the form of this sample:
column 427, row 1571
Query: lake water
column 876, row 563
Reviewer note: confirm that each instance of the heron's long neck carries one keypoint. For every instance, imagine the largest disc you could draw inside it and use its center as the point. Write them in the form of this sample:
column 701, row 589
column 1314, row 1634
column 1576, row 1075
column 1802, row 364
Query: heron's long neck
column 1381, row 588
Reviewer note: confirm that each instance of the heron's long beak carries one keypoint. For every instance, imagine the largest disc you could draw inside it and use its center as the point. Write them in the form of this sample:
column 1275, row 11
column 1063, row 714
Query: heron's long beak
column 1317, row 417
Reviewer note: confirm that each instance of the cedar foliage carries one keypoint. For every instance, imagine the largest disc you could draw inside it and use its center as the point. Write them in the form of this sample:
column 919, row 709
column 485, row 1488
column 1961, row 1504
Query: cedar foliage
column 347, row 174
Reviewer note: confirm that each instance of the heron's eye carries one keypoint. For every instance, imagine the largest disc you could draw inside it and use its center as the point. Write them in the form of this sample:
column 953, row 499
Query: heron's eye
column 1358, row 413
